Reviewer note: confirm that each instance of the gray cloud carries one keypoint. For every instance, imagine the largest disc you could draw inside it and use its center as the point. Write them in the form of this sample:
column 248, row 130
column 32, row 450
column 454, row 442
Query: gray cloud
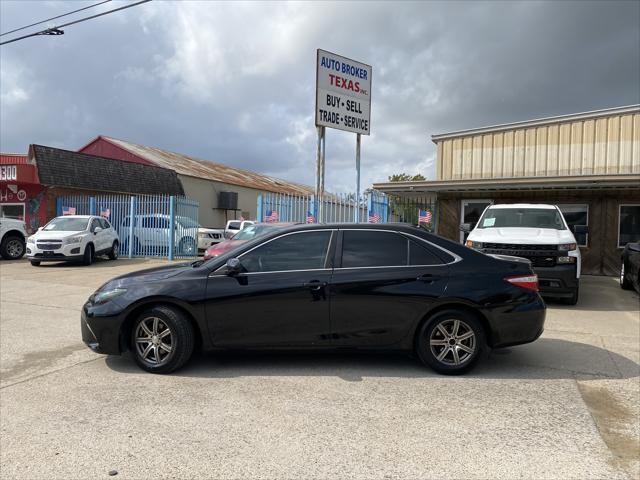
column 234, row 82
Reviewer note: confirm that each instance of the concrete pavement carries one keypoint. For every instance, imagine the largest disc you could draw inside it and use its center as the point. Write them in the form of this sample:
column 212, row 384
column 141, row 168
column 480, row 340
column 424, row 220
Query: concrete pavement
column 566, row 406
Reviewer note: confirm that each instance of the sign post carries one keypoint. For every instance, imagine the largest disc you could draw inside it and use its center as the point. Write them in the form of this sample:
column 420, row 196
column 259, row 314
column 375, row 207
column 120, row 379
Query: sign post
column 343, row 101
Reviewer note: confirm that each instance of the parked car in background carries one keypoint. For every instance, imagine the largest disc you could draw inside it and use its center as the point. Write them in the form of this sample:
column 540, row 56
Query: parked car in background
column 630, row 267
column 208, row 237
column 13, row 233
column 73, row 238
column 151, row 234
column 248, row 233
column 234, row 226
column 344, row 286
column 538, row 233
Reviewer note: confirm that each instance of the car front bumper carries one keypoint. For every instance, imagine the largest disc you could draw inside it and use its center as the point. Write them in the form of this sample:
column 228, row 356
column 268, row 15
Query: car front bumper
column 558, row 281
column 71, row 252
column 101, row 333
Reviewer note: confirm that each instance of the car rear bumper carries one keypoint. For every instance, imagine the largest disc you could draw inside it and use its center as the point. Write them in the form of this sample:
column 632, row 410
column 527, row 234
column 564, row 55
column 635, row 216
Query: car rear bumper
column 558, row 281
column 517, row 323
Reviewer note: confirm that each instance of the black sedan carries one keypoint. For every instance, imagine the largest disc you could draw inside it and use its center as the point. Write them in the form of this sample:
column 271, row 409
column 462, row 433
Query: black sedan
column 331, row 287
column 630, row 267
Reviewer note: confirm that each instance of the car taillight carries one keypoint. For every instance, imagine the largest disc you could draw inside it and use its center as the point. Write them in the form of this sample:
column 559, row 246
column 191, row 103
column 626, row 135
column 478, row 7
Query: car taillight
column 530, row 282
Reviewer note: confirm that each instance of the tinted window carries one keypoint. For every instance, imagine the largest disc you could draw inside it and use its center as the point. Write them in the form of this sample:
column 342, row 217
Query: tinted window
column 147, row 222
column 104, row 224
column 629, row 224
column 419, row 255
column 162, row 223
column 300, row 251
column 373, row 249
column 94, row 224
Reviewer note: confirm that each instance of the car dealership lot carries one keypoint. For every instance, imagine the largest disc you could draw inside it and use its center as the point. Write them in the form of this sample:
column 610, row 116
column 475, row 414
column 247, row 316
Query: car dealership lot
column 566, row 406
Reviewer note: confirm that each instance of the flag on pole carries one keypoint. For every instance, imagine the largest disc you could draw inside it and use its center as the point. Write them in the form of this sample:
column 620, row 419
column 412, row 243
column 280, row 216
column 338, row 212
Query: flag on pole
column 311, row 218
column 68, row 210
column 105, row 213
column 424, row 216
column 374, row 217
column 272, row 216
column 241, row 218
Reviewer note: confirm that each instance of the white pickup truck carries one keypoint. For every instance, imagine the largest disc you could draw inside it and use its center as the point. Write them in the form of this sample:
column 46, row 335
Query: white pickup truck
column 538, row 233
column 13, row 233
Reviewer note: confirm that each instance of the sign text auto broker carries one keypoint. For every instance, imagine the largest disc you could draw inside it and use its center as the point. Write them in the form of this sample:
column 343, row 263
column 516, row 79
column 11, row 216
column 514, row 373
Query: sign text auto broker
column 343, row 93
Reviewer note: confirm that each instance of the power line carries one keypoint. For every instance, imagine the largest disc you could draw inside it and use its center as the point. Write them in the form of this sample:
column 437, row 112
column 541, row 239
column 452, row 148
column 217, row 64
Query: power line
column 57, row 31
column 53, row 18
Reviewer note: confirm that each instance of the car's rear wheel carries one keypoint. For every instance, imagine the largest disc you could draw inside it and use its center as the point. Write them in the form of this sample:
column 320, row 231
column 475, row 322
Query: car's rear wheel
column 115, row 250
column 451, row 342
column 12, row 247
column 625, row 282
column 162, row 340
column 88, row 256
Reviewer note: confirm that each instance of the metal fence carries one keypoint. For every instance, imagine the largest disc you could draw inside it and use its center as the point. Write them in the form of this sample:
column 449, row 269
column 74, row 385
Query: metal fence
column 371, row 207
column 162, row 226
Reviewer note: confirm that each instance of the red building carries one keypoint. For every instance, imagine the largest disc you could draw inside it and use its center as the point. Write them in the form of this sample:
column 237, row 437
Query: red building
column 21, row 194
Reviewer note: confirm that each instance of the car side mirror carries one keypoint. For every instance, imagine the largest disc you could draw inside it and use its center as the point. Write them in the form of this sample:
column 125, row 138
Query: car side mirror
column 97, row 230
column 580, row 229
column 234, row 267
column 465, row 227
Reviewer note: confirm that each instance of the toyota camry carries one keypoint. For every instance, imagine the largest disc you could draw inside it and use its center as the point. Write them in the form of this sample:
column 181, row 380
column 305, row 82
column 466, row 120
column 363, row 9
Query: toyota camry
column 324, row 287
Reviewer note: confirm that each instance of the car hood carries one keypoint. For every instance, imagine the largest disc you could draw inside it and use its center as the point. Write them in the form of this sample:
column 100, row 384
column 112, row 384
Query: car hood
column 535, row 236
column 149, row 275
column 57, row 235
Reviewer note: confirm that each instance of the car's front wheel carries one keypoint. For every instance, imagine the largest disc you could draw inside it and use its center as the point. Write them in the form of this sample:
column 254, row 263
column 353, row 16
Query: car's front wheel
column 451, row 342
column 88, row 256
column 162, row 340
column 12, row 247
column 625, row 283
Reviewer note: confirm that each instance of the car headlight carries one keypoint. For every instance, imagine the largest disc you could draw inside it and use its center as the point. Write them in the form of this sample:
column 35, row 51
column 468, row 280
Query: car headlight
column 101, row 298
column 31, row 239
column 472, row 244
column 567, row 246
column 72, row 240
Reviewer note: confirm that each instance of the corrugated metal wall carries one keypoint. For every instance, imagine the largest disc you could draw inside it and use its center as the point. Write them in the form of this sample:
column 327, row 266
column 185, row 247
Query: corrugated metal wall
column 607, row 145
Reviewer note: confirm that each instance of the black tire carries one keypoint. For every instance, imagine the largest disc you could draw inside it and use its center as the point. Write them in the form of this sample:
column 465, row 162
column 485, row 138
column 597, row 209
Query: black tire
column 35, row 263
column 625, row 282
column 181, row 335
column 429, row 354
column 89, row 256
column 12, row 247
column 188, row 247
column 115, row 250
column 573, row 299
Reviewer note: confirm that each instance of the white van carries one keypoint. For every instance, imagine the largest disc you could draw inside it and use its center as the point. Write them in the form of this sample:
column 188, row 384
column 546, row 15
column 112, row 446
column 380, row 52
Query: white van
column 538, row 233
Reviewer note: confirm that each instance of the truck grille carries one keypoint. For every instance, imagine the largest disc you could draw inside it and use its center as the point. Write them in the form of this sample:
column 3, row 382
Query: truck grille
column 517, row 246
column 538, row 255
column 50, row 244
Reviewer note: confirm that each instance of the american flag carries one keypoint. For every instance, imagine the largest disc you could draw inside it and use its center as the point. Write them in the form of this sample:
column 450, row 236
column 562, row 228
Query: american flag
column 272, row 216
column 424, row 216
column 68, row 210
column 374, row 217
column 241, row 218
column 105, row 213
column 311, row 218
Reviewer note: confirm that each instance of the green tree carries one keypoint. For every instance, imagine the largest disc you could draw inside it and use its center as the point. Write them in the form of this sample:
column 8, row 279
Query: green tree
column 405, row 177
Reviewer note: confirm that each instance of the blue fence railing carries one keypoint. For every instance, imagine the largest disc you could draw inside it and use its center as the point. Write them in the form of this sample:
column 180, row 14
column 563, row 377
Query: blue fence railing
column 148, row 225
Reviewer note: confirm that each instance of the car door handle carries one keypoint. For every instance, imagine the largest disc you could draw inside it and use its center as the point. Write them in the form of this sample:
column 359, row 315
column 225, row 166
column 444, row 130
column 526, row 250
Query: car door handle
column 314, row 284
column 428, row 278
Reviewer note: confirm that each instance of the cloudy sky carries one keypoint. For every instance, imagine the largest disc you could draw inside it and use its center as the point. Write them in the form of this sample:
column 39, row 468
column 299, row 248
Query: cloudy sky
column 234, row 82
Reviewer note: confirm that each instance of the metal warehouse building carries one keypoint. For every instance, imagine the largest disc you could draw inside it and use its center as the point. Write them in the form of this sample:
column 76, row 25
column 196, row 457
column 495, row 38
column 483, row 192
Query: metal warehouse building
column 223, row 192
column 588, row 164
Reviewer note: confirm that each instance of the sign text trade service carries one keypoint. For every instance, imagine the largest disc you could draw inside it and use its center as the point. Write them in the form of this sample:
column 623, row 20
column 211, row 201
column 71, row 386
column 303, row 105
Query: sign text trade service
column 343, row 93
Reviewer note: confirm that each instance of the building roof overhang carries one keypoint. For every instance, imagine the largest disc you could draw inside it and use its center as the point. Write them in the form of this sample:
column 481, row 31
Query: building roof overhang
column 591, row 182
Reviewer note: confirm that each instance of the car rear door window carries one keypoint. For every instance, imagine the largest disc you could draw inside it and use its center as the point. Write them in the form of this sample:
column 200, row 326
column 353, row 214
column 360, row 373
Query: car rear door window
column 421, row 255
column 361, row 248
column 298, row 251
column 104, row 224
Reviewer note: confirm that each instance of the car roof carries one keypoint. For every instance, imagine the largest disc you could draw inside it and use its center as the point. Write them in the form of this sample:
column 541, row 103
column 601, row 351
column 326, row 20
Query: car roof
column 524, row 205
column 76, row 216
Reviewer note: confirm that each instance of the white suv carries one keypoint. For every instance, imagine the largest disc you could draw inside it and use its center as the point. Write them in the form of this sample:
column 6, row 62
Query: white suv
column 12, row 235
column 151, row 234
column 73, row 238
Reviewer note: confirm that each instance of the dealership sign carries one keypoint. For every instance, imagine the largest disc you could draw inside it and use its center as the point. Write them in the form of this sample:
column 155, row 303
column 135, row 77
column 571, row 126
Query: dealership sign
column 343, row 93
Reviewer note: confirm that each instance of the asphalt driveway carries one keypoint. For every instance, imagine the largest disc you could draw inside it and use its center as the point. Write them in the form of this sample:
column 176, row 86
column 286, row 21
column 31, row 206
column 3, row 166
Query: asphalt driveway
column 566, row 406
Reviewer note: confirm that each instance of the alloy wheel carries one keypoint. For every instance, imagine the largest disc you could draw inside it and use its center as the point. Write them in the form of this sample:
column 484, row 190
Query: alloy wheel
column 15, row 249
column 154, row 341
column 452, row 342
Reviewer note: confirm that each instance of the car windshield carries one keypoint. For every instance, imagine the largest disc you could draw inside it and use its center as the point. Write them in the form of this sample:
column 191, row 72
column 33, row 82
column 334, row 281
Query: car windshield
column 250, row 232
column 62, row 224
column 521, row 217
